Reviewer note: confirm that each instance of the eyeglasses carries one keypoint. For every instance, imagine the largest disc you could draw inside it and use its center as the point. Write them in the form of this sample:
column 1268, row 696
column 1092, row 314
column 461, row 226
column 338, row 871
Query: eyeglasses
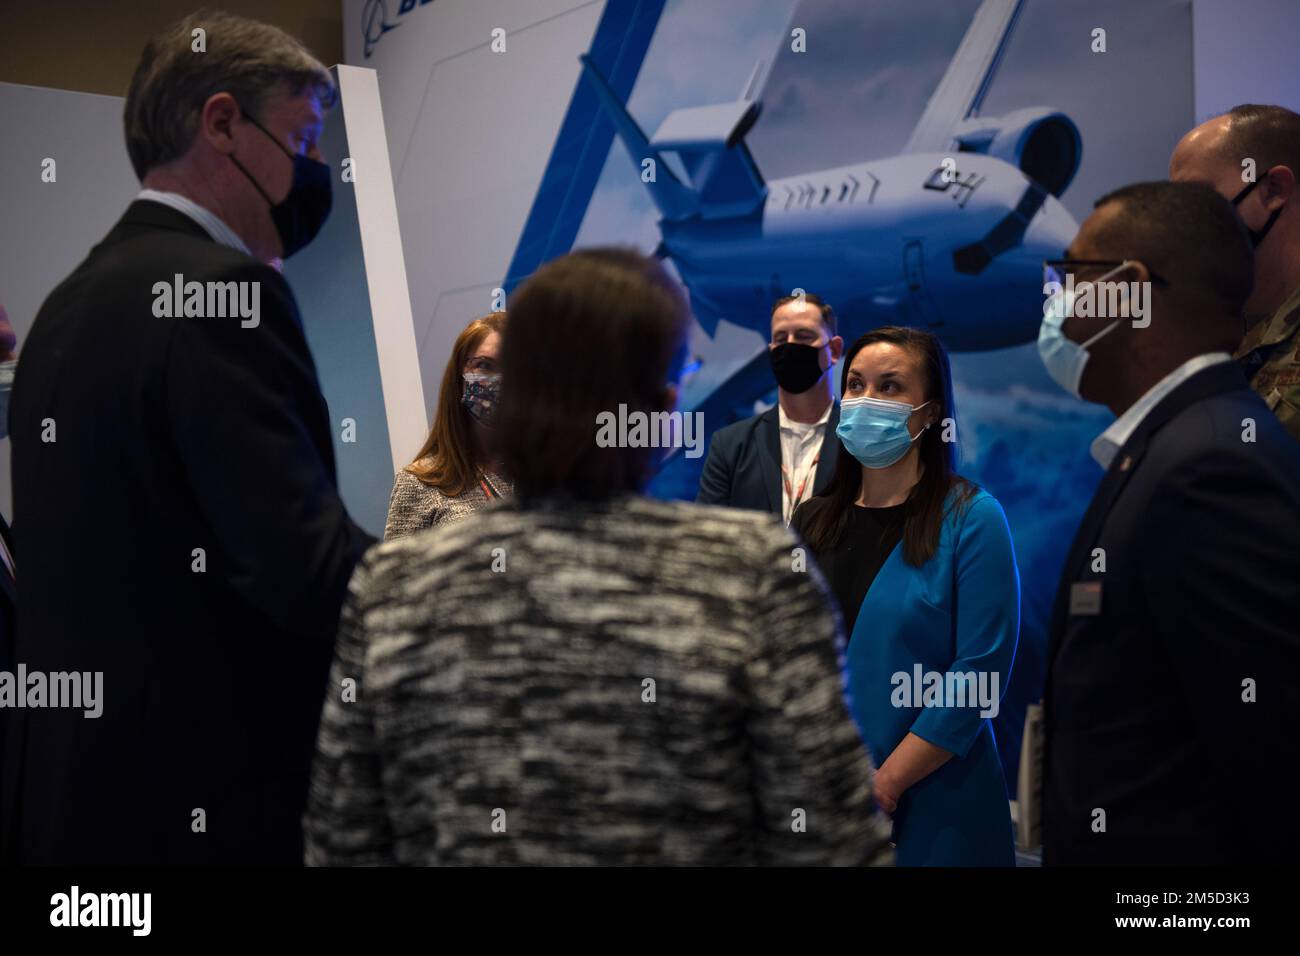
column 1055, row 270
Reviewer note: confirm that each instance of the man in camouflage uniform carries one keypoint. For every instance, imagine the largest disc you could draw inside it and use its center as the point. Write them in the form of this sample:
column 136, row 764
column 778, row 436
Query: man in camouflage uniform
column 1251, row 155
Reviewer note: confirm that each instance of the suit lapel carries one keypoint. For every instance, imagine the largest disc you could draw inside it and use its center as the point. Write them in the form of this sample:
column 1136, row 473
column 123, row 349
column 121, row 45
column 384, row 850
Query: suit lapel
column 829, row 453
column 8, row 586
column 1214, row 380
column 1089, row 528
column 769, row 425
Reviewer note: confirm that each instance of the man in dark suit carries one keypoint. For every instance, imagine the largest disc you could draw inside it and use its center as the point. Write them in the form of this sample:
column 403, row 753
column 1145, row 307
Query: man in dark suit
column 179, row 528
column 1174, row 658
column 8, row 632
column 8, row 586
column 782, row 457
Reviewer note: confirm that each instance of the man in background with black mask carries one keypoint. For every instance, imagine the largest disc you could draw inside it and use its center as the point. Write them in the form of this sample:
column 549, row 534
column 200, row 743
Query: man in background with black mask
column 778, row 459
column 1251, row 155
column 182, row 546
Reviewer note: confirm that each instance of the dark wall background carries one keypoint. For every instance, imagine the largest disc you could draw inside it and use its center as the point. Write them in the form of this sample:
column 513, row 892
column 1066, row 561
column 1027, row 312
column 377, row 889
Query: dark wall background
column 92, row 45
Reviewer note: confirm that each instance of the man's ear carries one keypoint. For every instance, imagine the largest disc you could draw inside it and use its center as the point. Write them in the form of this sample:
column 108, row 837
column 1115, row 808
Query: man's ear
column 217, row 122
column 1277, row 187
column 837, row 348
column 1138, row 271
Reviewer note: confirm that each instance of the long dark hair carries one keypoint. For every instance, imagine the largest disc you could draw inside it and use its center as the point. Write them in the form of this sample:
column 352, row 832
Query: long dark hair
column 590, row 331
column 924, row 510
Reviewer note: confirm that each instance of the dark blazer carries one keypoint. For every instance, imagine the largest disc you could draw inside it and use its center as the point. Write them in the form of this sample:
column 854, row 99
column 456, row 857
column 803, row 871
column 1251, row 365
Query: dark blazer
column 743, row 467
column 179, row 530
column 1145, row 718
column 8, row 634
column 8, row 612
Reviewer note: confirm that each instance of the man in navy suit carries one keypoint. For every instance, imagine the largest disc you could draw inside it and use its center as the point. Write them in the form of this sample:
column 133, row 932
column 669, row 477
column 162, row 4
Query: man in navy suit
column 1174, row 658
column 194, row 449
column 776, row 460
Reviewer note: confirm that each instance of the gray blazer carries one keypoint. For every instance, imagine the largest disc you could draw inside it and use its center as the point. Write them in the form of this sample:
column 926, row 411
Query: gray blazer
column 415, row 506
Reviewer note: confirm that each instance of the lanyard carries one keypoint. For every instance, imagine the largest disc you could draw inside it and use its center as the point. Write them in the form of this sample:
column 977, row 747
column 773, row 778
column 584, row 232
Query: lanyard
column 796, row 500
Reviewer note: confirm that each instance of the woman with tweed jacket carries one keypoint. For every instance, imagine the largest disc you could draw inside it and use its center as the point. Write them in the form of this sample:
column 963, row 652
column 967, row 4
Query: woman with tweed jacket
column 455, row 474
column 581, row 674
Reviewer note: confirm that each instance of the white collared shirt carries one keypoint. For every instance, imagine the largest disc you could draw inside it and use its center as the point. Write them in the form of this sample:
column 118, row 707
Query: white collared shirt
column 209, row 220
column 801, row 445
column 1107, row 445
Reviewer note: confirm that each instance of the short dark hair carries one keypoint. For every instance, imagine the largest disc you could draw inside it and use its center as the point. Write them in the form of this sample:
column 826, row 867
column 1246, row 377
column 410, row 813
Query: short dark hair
column 1187, row 233
column 589, row 331
column 828, row 314
column 246, row 58
column 1270, row 135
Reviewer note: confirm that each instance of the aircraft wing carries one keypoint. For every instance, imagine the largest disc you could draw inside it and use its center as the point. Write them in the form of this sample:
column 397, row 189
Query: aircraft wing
column 963, row 87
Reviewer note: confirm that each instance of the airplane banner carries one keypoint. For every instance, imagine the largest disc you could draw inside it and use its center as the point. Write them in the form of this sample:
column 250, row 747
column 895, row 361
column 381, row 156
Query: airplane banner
column 911, row 161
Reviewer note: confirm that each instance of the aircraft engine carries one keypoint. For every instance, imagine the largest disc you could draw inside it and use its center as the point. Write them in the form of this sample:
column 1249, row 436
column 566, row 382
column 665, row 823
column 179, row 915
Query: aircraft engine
column 1043, row 143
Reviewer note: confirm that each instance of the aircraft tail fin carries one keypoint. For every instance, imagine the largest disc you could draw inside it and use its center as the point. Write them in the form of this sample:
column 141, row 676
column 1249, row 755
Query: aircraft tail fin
column 966, row 82
column 709, row 142
column 675, row 201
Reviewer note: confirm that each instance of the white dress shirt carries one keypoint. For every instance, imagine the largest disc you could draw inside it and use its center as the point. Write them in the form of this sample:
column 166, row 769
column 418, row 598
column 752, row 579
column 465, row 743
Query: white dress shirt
column 209, row 220
column 1107, row 445
column 801, row 445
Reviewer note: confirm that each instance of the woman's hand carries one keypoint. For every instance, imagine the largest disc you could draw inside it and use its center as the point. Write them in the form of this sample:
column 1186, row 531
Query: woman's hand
column 913, row 760
column 886, row 789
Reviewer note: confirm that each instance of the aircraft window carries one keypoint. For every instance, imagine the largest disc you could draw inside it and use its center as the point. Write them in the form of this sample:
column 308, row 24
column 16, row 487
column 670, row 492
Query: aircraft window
column 875, row 184
column 808, row 195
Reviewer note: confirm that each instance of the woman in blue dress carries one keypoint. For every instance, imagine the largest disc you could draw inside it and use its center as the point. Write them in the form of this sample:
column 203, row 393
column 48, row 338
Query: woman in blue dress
column 921, row 563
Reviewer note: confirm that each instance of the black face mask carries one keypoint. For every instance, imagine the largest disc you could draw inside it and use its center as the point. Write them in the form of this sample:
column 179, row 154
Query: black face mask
column 302, row 213
column 1257, row 235
column 797, row 367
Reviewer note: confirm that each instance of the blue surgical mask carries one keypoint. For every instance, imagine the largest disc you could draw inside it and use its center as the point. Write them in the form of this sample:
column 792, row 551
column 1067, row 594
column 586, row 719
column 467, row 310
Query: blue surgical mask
column 1063, row 357
column 874, row 430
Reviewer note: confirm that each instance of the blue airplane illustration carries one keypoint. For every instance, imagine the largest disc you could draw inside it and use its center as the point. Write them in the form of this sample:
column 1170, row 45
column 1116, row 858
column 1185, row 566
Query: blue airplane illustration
column 948, row 236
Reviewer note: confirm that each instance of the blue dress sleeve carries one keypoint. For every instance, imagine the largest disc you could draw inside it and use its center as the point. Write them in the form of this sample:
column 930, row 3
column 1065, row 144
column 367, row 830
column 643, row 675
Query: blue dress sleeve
column 987, row 622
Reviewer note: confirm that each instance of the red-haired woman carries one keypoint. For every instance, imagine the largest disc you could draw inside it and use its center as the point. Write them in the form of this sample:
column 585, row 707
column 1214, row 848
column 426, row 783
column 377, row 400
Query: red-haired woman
column 456, row 472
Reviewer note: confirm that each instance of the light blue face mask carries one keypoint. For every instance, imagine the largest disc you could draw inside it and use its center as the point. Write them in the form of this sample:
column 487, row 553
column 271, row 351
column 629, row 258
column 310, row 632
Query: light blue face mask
column 874, row 430
column 1063, row 357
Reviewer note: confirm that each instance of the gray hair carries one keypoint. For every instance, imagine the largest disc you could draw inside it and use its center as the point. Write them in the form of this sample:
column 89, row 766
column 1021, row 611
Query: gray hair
column 243, row 57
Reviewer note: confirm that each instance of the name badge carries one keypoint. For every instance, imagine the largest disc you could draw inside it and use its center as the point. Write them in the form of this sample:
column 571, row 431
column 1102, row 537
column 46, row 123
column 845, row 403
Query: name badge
column 1085, row 598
